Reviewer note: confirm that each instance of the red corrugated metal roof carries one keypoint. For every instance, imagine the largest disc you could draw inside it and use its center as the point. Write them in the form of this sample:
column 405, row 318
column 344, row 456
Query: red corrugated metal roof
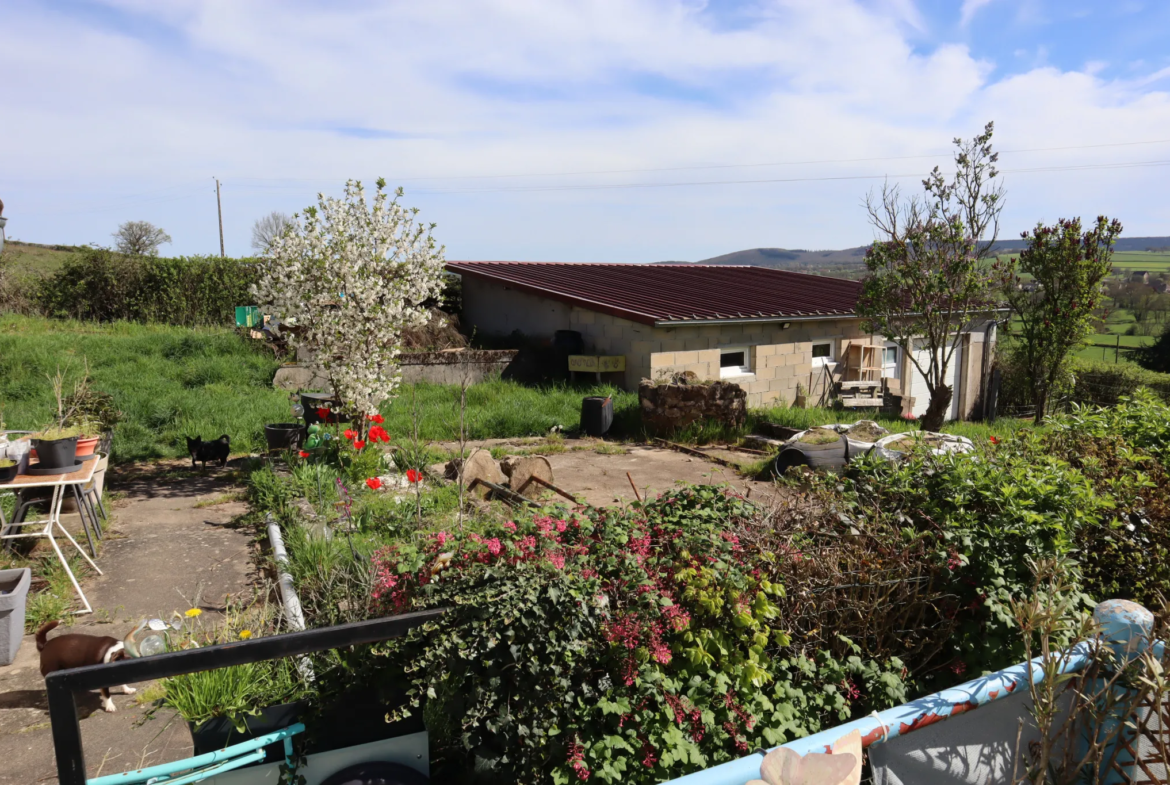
column 651, row 293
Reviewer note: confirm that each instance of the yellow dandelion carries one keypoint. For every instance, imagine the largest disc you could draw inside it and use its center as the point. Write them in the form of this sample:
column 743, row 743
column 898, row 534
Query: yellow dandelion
column 193, row 612
column 245, row 634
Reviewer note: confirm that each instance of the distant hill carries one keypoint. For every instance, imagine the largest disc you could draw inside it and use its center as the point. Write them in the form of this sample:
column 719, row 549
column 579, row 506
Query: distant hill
column 1122, row 244
column 850, row 262
column 30, row 259
column 847, row 263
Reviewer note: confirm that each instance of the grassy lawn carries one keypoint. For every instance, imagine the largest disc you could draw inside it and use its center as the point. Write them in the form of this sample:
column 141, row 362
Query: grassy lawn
column 500, row 409
column 172, row 382
column 169, row 382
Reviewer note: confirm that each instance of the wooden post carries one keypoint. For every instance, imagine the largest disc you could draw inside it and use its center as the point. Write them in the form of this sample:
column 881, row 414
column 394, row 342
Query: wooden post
column 219, row 209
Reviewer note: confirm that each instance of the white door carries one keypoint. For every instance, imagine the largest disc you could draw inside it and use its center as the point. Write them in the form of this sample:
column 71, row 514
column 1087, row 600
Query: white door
column 891, row 365
column 921, row 393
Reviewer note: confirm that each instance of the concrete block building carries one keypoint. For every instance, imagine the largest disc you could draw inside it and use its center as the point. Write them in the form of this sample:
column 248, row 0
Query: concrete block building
column 770, row 331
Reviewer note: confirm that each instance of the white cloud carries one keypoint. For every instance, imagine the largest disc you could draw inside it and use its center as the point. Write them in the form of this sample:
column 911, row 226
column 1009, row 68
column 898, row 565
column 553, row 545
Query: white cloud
column 969, row 9
column 261, row 94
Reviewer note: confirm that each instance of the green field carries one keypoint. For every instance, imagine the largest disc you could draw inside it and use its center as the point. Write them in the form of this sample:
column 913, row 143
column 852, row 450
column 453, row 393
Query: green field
column 29, row 259
column 1124, row 261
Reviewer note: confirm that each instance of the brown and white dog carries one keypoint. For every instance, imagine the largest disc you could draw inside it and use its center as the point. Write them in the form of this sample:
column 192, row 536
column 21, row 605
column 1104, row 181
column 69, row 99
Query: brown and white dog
column 74, row 650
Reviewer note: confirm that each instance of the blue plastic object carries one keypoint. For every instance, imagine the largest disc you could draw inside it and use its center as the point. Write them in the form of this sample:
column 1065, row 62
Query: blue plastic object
column 207, row 765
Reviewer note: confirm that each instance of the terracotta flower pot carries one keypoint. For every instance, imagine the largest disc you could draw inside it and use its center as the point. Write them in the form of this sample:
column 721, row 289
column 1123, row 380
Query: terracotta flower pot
column 87, row 444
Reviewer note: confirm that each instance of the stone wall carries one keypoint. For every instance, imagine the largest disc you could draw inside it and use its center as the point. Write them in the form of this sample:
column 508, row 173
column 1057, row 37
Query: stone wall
column 668, row 407
column 444, row 367
column 449, row 367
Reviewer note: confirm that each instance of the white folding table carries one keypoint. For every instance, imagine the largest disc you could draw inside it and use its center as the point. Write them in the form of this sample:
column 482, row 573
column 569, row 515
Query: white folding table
column 58, row 483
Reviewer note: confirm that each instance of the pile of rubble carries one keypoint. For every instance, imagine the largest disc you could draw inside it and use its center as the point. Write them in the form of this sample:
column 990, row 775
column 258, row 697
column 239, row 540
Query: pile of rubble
column 681, row 401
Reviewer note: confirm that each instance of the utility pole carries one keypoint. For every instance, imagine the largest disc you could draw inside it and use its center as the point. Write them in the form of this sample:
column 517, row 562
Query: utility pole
column 219, row 209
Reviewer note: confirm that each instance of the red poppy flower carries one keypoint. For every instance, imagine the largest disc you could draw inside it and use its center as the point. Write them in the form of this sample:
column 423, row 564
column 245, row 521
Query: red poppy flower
column 359, row 445
column 350, row 434
column 374, row 483
column 378, row 434
column 994, row 440
column 377, row 418
column 323, row 413
column 413, row 475
column 303, row 454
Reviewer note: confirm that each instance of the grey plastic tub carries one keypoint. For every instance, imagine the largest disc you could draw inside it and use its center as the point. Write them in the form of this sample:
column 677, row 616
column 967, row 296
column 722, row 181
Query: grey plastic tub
column 14, row 585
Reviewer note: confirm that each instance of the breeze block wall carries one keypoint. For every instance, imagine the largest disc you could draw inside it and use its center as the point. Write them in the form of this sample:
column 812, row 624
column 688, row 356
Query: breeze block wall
column 666, row 407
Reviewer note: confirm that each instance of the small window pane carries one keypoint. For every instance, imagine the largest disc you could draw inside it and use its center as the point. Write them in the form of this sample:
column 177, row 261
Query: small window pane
column 732, row 359
column 891, row 354
column 822, row 349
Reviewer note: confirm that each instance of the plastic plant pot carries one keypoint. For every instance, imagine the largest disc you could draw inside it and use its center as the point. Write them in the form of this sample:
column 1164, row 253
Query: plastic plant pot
column 87, row 444
column 284, row 435
column 56, row 454
column 13, row 593
column 8, row 473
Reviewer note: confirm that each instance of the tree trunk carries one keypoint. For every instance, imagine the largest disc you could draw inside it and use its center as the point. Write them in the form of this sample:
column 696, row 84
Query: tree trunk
column 1041, row 399
column 940, row 406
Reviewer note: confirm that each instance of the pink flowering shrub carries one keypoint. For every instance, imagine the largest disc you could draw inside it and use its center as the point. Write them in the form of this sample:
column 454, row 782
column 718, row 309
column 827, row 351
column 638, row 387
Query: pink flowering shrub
column 612, row 645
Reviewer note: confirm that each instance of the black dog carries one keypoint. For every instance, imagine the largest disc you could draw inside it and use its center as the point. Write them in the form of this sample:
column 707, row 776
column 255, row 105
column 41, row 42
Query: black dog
column 209, row 451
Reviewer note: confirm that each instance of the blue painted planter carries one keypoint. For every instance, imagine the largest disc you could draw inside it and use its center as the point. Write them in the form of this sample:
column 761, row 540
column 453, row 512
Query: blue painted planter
column 1126, row 626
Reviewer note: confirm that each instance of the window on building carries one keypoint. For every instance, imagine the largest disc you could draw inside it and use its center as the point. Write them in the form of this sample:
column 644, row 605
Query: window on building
column 735, row 361
column 822, row 353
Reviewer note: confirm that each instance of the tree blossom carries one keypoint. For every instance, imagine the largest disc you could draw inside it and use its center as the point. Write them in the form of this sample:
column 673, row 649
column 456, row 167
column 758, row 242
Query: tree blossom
column 351, row 275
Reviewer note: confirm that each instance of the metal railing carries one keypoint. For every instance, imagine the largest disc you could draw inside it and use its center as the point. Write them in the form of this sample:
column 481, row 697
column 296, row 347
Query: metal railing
column 61, row 685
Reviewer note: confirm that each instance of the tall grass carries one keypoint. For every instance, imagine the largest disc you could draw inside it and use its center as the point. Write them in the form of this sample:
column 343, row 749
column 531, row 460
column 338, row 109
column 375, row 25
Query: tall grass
column 169, row 382
column 503, row 409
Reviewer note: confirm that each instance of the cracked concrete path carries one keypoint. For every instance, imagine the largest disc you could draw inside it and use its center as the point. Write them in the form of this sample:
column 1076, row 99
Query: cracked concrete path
column 171, row 544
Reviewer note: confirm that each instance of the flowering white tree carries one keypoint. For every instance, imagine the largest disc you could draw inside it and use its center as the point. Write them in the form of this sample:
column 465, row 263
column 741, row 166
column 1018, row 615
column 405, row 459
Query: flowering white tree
column 349, row 276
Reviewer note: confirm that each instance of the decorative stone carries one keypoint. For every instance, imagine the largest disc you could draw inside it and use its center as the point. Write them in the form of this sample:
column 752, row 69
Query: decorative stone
column 480, row 465
column 523, row 469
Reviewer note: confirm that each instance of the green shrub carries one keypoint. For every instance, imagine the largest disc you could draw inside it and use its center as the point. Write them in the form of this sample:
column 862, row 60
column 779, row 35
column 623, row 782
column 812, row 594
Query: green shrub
column 1105, row 384
column 101, row 285
column 633, row 645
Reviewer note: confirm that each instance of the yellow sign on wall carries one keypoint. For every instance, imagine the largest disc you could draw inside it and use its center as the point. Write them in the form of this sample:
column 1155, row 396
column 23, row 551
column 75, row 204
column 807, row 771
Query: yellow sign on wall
column 596, row 364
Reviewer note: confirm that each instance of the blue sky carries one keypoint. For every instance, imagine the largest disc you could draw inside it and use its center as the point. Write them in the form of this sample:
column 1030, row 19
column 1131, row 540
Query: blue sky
column 585, row 130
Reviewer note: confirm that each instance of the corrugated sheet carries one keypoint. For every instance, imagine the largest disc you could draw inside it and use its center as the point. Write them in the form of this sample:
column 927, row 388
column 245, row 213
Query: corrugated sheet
column 650, row 293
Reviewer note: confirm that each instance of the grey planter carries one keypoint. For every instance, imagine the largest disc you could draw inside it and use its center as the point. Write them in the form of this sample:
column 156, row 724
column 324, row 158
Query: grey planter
column 14, row 585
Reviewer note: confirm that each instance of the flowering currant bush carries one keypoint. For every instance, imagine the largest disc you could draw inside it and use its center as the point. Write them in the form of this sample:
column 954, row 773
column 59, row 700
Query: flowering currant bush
column 350, row 275
column 627, row 645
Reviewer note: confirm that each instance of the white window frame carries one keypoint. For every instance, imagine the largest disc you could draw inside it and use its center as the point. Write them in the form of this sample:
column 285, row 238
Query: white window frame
column 817, row 362
column 735, row 370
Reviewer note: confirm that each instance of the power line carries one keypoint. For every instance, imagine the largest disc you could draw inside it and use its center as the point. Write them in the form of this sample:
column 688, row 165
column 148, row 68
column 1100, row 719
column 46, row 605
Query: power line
column 619, row 186
column 711, row 166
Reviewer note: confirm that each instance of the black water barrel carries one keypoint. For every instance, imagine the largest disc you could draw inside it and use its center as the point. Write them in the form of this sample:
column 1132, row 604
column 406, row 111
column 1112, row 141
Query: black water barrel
column 568, row 342
column 833, row 455
column 596, row 415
